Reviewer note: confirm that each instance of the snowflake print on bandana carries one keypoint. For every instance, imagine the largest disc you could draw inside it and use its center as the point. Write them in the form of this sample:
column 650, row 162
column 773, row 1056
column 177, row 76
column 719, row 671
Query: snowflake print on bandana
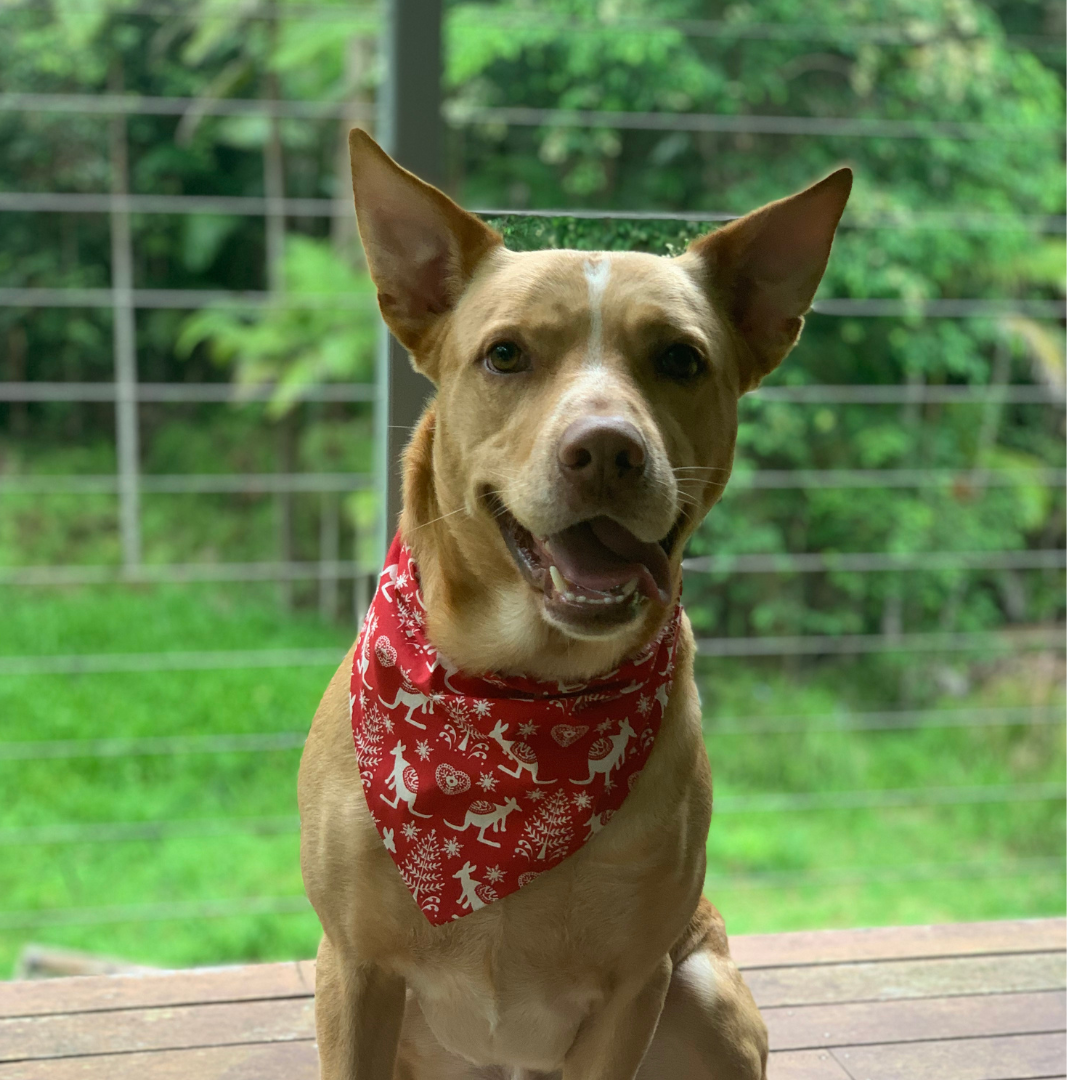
column 478, row 784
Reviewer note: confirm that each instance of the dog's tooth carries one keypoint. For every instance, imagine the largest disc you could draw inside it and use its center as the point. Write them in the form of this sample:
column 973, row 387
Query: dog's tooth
column 609, row 599
column 582, row 599
column 629, row 588
column 557, row 579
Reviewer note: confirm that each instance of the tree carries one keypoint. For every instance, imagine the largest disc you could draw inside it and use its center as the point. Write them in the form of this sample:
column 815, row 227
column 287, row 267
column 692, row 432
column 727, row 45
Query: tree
column 548, row 832
column 422, row 872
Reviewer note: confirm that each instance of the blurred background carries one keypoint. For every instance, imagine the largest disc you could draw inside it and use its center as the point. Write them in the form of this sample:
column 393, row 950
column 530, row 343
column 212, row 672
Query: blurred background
column 190, row 454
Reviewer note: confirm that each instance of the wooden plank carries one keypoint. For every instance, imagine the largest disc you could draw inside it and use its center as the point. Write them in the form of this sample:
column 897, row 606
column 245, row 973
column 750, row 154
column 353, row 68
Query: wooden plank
column 1015, row 1057
column 810, row 985
column 897, row 942
column 916, row 1019
column 163, row 1028
column 277, row 1061
column 97, row 992
column 790, row 1065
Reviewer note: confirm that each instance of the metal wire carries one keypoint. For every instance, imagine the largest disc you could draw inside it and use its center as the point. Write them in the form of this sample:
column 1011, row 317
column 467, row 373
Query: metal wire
column 190, row 299
column 230, row 393
column 239, row 205
column 827, row 723
column 942, row 309
column 188, row 483
column 183, row 299
column 151, row 746
column 857, row 875
column 178, row 573
column 199, row 660
column 961, row 480
column 816, row 394
column 163, row 912
column 867, row 799
column 114, row 832
column 459, row 113
column 258, row 206
column 908, row 394
column 289, row 905
column 136, row 105
column 880, row 720
column 842, row 644
column 868, row 562
column 944, row 220
column 863, row 644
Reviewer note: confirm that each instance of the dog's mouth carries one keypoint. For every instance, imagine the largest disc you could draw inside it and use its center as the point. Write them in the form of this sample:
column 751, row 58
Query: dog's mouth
column 595, row 573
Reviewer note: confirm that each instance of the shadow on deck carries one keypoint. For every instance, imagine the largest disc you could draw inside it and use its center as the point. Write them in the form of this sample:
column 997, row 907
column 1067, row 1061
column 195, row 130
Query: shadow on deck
column 975, row 1001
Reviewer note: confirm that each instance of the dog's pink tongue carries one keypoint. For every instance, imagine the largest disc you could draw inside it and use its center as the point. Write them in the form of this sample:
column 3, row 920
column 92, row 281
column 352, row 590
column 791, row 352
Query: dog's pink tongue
column 602, row 555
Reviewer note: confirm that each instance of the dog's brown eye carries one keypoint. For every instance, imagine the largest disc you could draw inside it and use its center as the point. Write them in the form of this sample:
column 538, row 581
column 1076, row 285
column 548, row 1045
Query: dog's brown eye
column 680, row 362
column 506, row 358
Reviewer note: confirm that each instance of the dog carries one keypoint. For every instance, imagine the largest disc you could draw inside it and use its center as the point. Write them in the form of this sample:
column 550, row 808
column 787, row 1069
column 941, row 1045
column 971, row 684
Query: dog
column 583, row 425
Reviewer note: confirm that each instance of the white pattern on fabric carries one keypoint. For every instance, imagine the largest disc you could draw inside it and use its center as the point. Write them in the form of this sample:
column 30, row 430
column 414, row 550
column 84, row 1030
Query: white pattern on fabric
column 480, row 784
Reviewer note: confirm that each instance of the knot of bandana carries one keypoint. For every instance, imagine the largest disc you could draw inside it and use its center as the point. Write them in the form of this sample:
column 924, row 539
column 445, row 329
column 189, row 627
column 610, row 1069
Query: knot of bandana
column 478, row 784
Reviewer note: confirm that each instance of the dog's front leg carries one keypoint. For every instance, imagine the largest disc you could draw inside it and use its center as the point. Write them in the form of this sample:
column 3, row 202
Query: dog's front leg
column 358, row 1010
column 613, row 1040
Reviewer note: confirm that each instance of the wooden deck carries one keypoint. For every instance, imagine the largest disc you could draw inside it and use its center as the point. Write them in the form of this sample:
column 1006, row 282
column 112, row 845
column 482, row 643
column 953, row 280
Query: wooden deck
column 979, row 1001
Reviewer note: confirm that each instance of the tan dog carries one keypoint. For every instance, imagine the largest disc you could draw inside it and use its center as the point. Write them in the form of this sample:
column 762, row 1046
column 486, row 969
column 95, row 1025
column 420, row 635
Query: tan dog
column 585, row 420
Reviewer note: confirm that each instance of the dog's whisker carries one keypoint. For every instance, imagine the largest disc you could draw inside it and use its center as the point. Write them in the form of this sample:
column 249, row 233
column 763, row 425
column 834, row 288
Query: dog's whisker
column 442, row 517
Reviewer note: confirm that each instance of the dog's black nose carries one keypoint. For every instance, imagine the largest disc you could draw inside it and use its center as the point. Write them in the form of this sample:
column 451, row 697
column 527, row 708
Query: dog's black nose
column 601, row 451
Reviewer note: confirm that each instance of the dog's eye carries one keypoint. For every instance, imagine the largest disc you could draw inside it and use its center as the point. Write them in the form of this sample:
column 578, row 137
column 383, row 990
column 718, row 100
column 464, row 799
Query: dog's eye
column 506, row 358
column 680, row 362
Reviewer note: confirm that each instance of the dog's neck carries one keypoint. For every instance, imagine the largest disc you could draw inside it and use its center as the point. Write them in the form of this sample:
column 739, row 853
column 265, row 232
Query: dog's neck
column 479, row 614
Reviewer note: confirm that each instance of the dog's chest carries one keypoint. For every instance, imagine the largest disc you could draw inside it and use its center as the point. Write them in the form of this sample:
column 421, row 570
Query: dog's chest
column 529, row 1020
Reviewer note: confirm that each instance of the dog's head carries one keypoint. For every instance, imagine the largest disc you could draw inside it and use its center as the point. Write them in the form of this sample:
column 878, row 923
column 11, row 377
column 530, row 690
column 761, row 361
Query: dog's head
column 586, row 409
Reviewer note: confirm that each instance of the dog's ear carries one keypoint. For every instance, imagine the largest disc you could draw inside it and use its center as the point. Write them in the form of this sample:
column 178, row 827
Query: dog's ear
column 421, row 247
column 764, row 268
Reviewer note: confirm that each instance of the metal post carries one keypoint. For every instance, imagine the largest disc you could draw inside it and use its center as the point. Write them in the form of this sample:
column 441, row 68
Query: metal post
column 328, row 555
column 274, row 191
column 411, row 129
column 125, row 371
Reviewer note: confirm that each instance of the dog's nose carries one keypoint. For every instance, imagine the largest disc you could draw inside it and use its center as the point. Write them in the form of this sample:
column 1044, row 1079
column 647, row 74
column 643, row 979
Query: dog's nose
column 601, row 450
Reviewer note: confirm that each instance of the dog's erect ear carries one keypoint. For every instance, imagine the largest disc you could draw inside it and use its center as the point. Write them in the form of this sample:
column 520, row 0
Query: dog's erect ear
column 763, row 269
column 421, row 247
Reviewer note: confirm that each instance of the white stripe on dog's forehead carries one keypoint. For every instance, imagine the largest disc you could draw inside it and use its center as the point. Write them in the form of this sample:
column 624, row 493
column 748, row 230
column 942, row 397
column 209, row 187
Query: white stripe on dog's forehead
column 597, row 269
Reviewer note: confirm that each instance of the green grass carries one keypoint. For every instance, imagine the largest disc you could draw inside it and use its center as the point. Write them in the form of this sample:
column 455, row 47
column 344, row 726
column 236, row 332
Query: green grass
column 869, row 845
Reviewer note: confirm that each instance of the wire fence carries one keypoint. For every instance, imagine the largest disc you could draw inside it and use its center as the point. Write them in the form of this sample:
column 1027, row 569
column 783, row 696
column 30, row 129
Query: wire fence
column 127, row 393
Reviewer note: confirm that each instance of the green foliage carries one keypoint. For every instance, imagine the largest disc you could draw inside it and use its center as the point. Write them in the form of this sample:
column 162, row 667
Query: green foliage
column 946, row 61
column 235, row 785
column 295, row 348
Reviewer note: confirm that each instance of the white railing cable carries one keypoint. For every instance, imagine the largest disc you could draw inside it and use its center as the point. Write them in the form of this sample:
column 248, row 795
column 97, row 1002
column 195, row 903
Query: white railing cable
column 192, row 393
column 190, row 299
column 1038, row 638
column 461, row 113
column 826, row 723
column 186, row 483
column 864, row 644
column 869, row 562
column 178, row 660
column 842, row 723
column 256, row 206
column 113, row 832
column 778, row 479
column 179, row 573
column 881, row 798
column 815, row 394
column 151, row 746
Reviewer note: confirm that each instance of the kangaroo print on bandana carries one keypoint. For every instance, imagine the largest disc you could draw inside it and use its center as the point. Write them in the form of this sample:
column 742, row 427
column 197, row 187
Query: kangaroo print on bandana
column 477, row 784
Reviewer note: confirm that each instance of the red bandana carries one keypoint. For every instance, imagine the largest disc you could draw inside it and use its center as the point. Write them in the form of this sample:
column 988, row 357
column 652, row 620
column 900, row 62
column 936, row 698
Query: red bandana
column 479, row 784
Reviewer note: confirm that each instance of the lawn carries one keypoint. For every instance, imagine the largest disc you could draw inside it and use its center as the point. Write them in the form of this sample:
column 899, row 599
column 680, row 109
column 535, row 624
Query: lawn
column 769, row 869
